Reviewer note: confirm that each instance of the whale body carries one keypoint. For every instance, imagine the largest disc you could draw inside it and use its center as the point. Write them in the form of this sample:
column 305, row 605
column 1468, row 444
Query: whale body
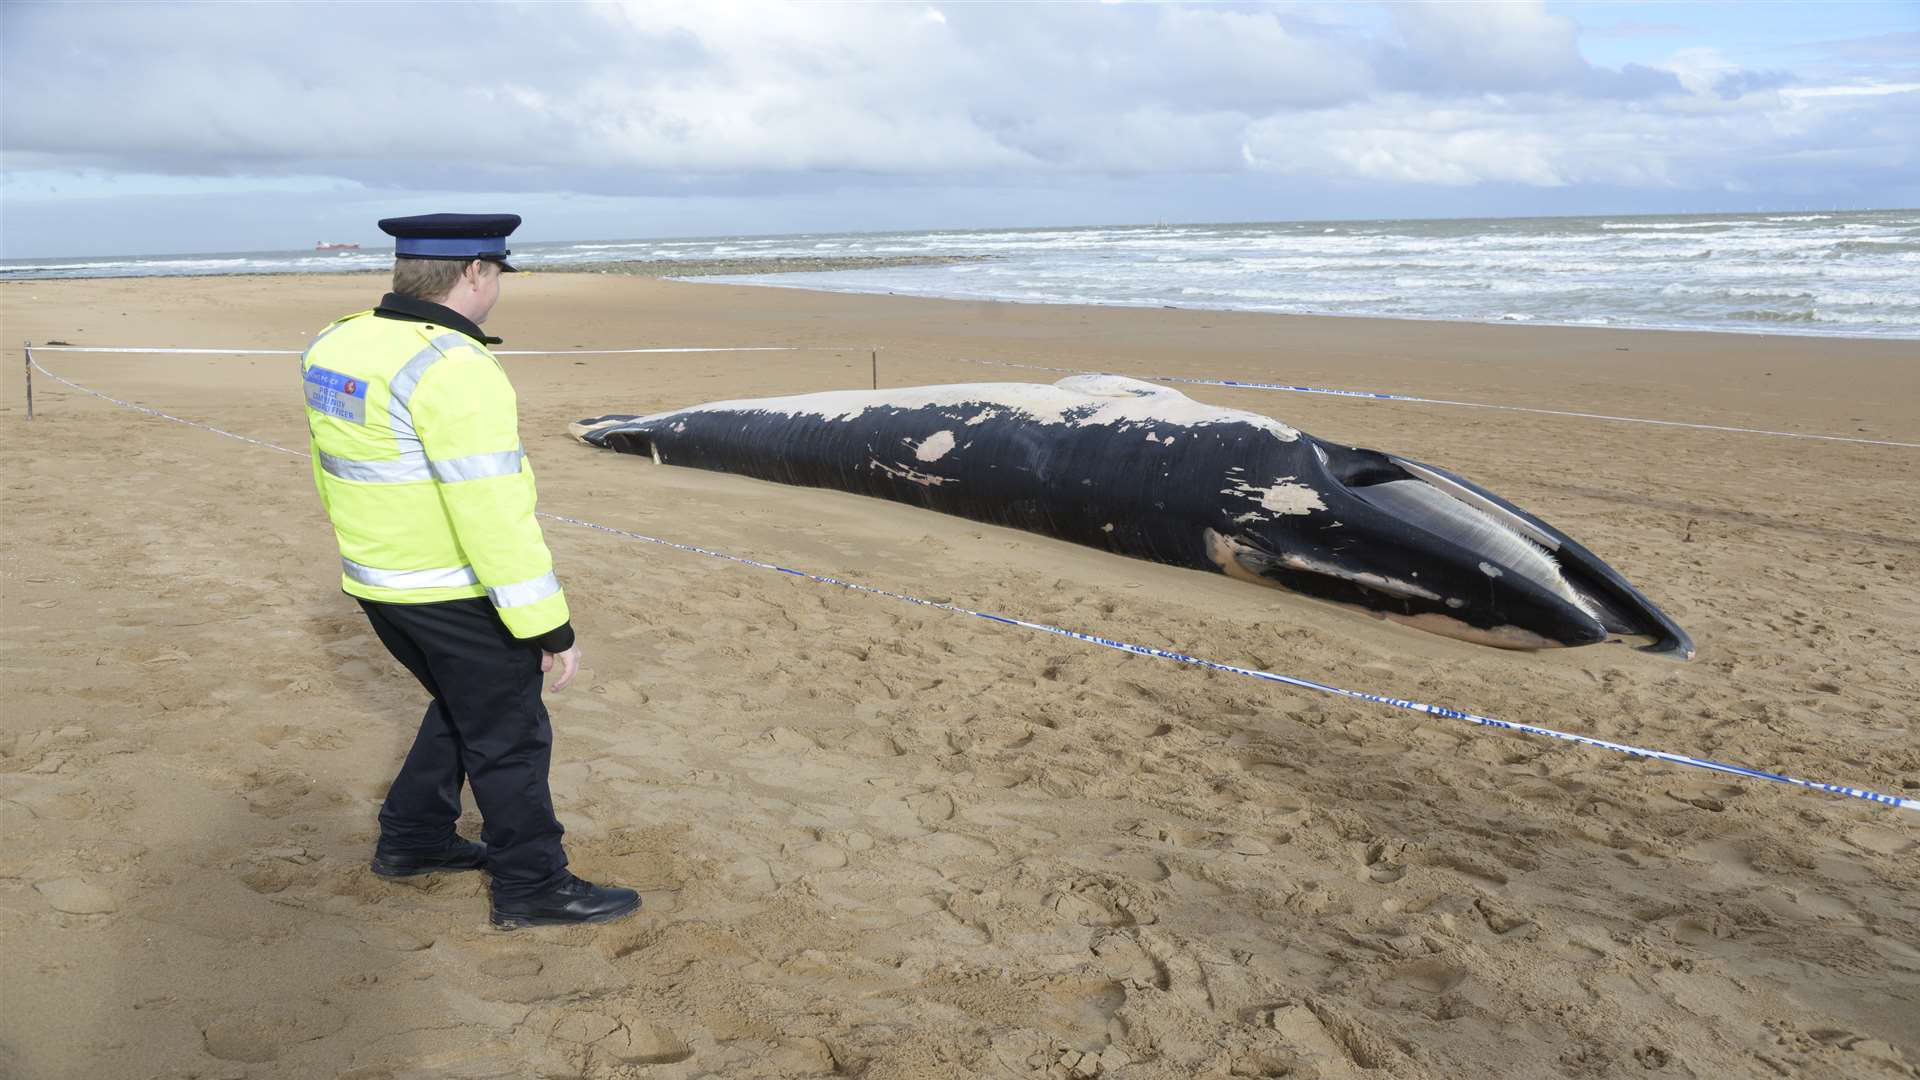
column 1142, row 470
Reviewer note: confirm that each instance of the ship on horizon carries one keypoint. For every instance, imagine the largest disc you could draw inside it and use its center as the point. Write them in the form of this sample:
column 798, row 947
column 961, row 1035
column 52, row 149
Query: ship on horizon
column 336, row 245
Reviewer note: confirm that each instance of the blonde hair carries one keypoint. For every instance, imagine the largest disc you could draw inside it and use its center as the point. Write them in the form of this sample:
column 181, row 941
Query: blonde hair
column 427, row 279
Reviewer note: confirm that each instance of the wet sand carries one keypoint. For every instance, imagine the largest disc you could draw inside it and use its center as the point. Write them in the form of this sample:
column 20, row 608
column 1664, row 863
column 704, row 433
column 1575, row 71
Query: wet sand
column 887, row 841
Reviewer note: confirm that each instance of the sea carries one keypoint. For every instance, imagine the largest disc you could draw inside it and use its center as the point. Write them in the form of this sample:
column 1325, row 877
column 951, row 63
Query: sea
column 1835, row 273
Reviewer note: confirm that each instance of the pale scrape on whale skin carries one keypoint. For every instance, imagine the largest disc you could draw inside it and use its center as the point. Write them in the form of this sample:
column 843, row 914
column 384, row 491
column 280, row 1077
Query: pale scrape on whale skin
column 1135, row 469
column 1244, row 557
column 1283, row 496
column 935, row 446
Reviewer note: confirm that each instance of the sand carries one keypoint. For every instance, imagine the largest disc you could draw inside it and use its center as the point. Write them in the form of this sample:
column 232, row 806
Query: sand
column 885, row 841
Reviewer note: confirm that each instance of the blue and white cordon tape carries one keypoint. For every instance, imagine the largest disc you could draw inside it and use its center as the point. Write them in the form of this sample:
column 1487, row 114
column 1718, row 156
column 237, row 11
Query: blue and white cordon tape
column 1123, row 646
column 1237, row 384
column 148, row 350
column 1374, row 395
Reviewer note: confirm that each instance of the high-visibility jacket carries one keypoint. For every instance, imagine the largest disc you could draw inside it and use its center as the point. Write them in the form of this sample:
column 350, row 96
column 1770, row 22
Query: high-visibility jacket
column 417, row 455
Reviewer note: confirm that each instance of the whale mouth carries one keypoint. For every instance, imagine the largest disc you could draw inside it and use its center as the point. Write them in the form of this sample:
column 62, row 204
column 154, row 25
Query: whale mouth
column 1601, row 590
column 1424, row 547
column 1550, row 584
column 1502, row 548
column 1396, row 598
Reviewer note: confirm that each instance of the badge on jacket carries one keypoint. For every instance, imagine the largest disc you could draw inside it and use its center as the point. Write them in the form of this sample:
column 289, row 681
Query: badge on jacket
column 337, row 395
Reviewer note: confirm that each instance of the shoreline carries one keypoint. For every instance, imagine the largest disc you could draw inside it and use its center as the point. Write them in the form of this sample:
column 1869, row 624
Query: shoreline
column 1449, row 320
column 699, row 279
column 1835, row 275
column 633, row 267
column 693, row 268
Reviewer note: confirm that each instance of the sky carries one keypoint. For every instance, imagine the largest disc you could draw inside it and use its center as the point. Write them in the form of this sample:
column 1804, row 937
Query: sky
column 153, row 128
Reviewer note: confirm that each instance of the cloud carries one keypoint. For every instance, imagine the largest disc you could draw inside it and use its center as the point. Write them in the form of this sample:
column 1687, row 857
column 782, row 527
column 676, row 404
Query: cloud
column 1806, row 140
column 1901, row 47
column 671, row 99
column 1484, row 47
column 1737, row 84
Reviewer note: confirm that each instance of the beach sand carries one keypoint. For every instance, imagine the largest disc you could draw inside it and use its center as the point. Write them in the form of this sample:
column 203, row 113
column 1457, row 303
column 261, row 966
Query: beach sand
column 882, row 840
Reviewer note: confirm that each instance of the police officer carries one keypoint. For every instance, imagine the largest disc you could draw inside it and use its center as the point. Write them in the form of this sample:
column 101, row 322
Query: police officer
column 417, row 455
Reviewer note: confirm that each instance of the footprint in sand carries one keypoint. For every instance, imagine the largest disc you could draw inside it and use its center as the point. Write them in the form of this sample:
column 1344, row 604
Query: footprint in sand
column 818, row 855
column 76, row 897
column 1385, row 860
column 1001, row 778
column 273, row 876
column 1147, row 728
column 623, row 1037
column 945, row 851
column 750, row 874
column 871, row 744
column 394, row 938
column 932, row 807
column 1133, row 865
column 583, row 1027
column 48, row 800
column 273, row 792
column 1702, row 928
column 801, row 1057
column 264, row 1032
column 1879, row 1051
column 790, row 740
column 1125, row 960
column 1092, row 902
column 1335, row 1044
column 1432, row 976
column 1500, row 918
column 1173, row 835
column 915, row 906
column 1880, row 840
column 645, row 1044
column 1798, row 904
column 1705, row 794
column 512, row 966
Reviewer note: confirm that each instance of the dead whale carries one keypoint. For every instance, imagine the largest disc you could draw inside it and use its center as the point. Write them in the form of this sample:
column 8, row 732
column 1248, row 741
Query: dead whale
column 1142, row 470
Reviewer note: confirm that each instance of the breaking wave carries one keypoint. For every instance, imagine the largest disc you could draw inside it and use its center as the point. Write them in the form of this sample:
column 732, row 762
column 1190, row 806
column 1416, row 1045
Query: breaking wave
column 1841, row 272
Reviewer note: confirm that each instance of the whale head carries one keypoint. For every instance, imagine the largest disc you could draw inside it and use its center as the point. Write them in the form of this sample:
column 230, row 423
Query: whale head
column 1423, row 547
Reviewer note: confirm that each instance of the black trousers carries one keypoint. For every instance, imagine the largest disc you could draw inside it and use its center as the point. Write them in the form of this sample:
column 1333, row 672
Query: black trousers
column 486, row 726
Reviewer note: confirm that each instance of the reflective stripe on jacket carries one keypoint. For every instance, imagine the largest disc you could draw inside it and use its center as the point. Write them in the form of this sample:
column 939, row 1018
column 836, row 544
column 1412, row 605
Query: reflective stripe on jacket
column 417, row 456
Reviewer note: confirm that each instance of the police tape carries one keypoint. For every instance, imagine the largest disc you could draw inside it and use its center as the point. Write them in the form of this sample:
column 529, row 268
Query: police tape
column 1236, row 384
column 1375, row 395
column 496, row 352
column 682, row 349
column 1442, row 711
column 164, row 415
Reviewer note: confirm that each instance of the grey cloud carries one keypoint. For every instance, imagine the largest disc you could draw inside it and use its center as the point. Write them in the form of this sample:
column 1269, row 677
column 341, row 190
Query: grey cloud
column 246, row 88
column 1630, row 81
column 1503, row 48
column 655, row 100
column 1741, row 83
column 1904, row 47
column 1635, row 30
column 1498, row 48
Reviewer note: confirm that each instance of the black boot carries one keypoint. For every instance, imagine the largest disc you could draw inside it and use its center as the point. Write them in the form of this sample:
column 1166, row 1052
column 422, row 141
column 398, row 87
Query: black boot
column 460, row 855
column 571, row 901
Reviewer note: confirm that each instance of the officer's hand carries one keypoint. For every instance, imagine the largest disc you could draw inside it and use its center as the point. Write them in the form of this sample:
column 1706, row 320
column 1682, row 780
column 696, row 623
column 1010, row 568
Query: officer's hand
column 569, row 664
